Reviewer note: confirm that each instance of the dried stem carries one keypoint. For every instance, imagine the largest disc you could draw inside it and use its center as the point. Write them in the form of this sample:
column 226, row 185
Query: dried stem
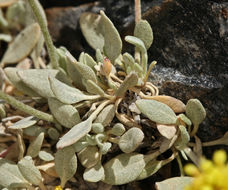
column 25, row 108
column 47, row 37
column 21, row 144
column 137, row 11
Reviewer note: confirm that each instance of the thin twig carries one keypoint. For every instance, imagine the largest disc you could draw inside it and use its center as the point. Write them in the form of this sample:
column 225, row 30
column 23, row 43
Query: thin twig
column 137, row 11
column 25, row 108
column 47, row 37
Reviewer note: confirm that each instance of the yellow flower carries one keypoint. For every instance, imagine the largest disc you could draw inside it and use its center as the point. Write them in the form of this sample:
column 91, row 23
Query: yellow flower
column 211, row 175
column 58, row 188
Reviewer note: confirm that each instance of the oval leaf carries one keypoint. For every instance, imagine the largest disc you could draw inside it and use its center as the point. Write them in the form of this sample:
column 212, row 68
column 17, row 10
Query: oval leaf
column 77, row 132
column 144, row 32
column 176, row 105
column 46, row 156
column 11, row 173
column 130, row 81
column 94, row 174
column 12, row 75
column 195, row 111
column 53, row 133
column 29, row 170
column 106, row 116
column 156, row 111
column 130, row 140
column 91, row 29
column 112, row 40
column 65, row 164
column 37, row 79
column 24, row 123
column 67, row 94
column 23, row 44
column 89, row 156
column 35, row 146
column 167, row 131
column 177, row 183
column 124, row 168
column 67, row 115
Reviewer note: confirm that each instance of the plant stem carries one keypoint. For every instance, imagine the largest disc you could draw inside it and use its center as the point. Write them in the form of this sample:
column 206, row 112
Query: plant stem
column 21, row 144
column 25, row 108
column 44, row 29
column 137, row 11
column 180, row 165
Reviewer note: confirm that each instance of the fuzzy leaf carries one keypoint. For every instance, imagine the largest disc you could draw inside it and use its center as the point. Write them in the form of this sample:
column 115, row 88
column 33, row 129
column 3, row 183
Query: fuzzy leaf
column 99, row 56
column 176, row 105
column 151, row 168
column 53, row 133
column 177, row 183
column 94, row 174
column 34, row 130
column 46, row 156
column 185, row 119
column 130, row 81
column 93, row 88
column 118, row 129
column 89, row 61
column 73, row 72
column 144, row 32
column 35, row 146
column 67, row 94
column 65, row 164
column 24, row 123
column 22, row 44
column 106, row 116
column 67, row 115
column 140, row 45
column 10, row 173
column 183, row 139
column 76, row 132
column 130, row 140
column 12, row 75
column 91, row 28
column 156, row 111
column 112, row 40
column 89, row 156
column 167, row 131
column 49, row 168
column 29, row 170
column 195, row 111
column 124, row 168
column 37, row 79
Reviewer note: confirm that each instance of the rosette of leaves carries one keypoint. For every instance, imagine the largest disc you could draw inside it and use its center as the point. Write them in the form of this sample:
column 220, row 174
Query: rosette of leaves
column 97, row 103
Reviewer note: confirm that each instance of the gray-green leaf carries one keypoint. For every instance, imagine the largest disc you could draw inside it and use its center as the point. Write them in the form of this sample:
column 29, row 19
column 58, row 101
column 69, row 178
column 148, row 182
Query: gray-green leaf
column 46, row 156
column 67, row 115
column 37, row 79
column 89, row 156
column 22, row 44
column 124, row 168
column 35, row 146
column 67, row 94
column 177, row 183
column 11, row 73
column 130, row 140
column 144, row 32
column 106, row 116
column 10, row 173
column 94, row 174
column 156, row 111
column 91, row 28
column 29, row 170
column 130, row 81
column 24, row 123
column 77, row 132
column 112, row 40
column 65, row 164
column 53, row 133
column 195, row 111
